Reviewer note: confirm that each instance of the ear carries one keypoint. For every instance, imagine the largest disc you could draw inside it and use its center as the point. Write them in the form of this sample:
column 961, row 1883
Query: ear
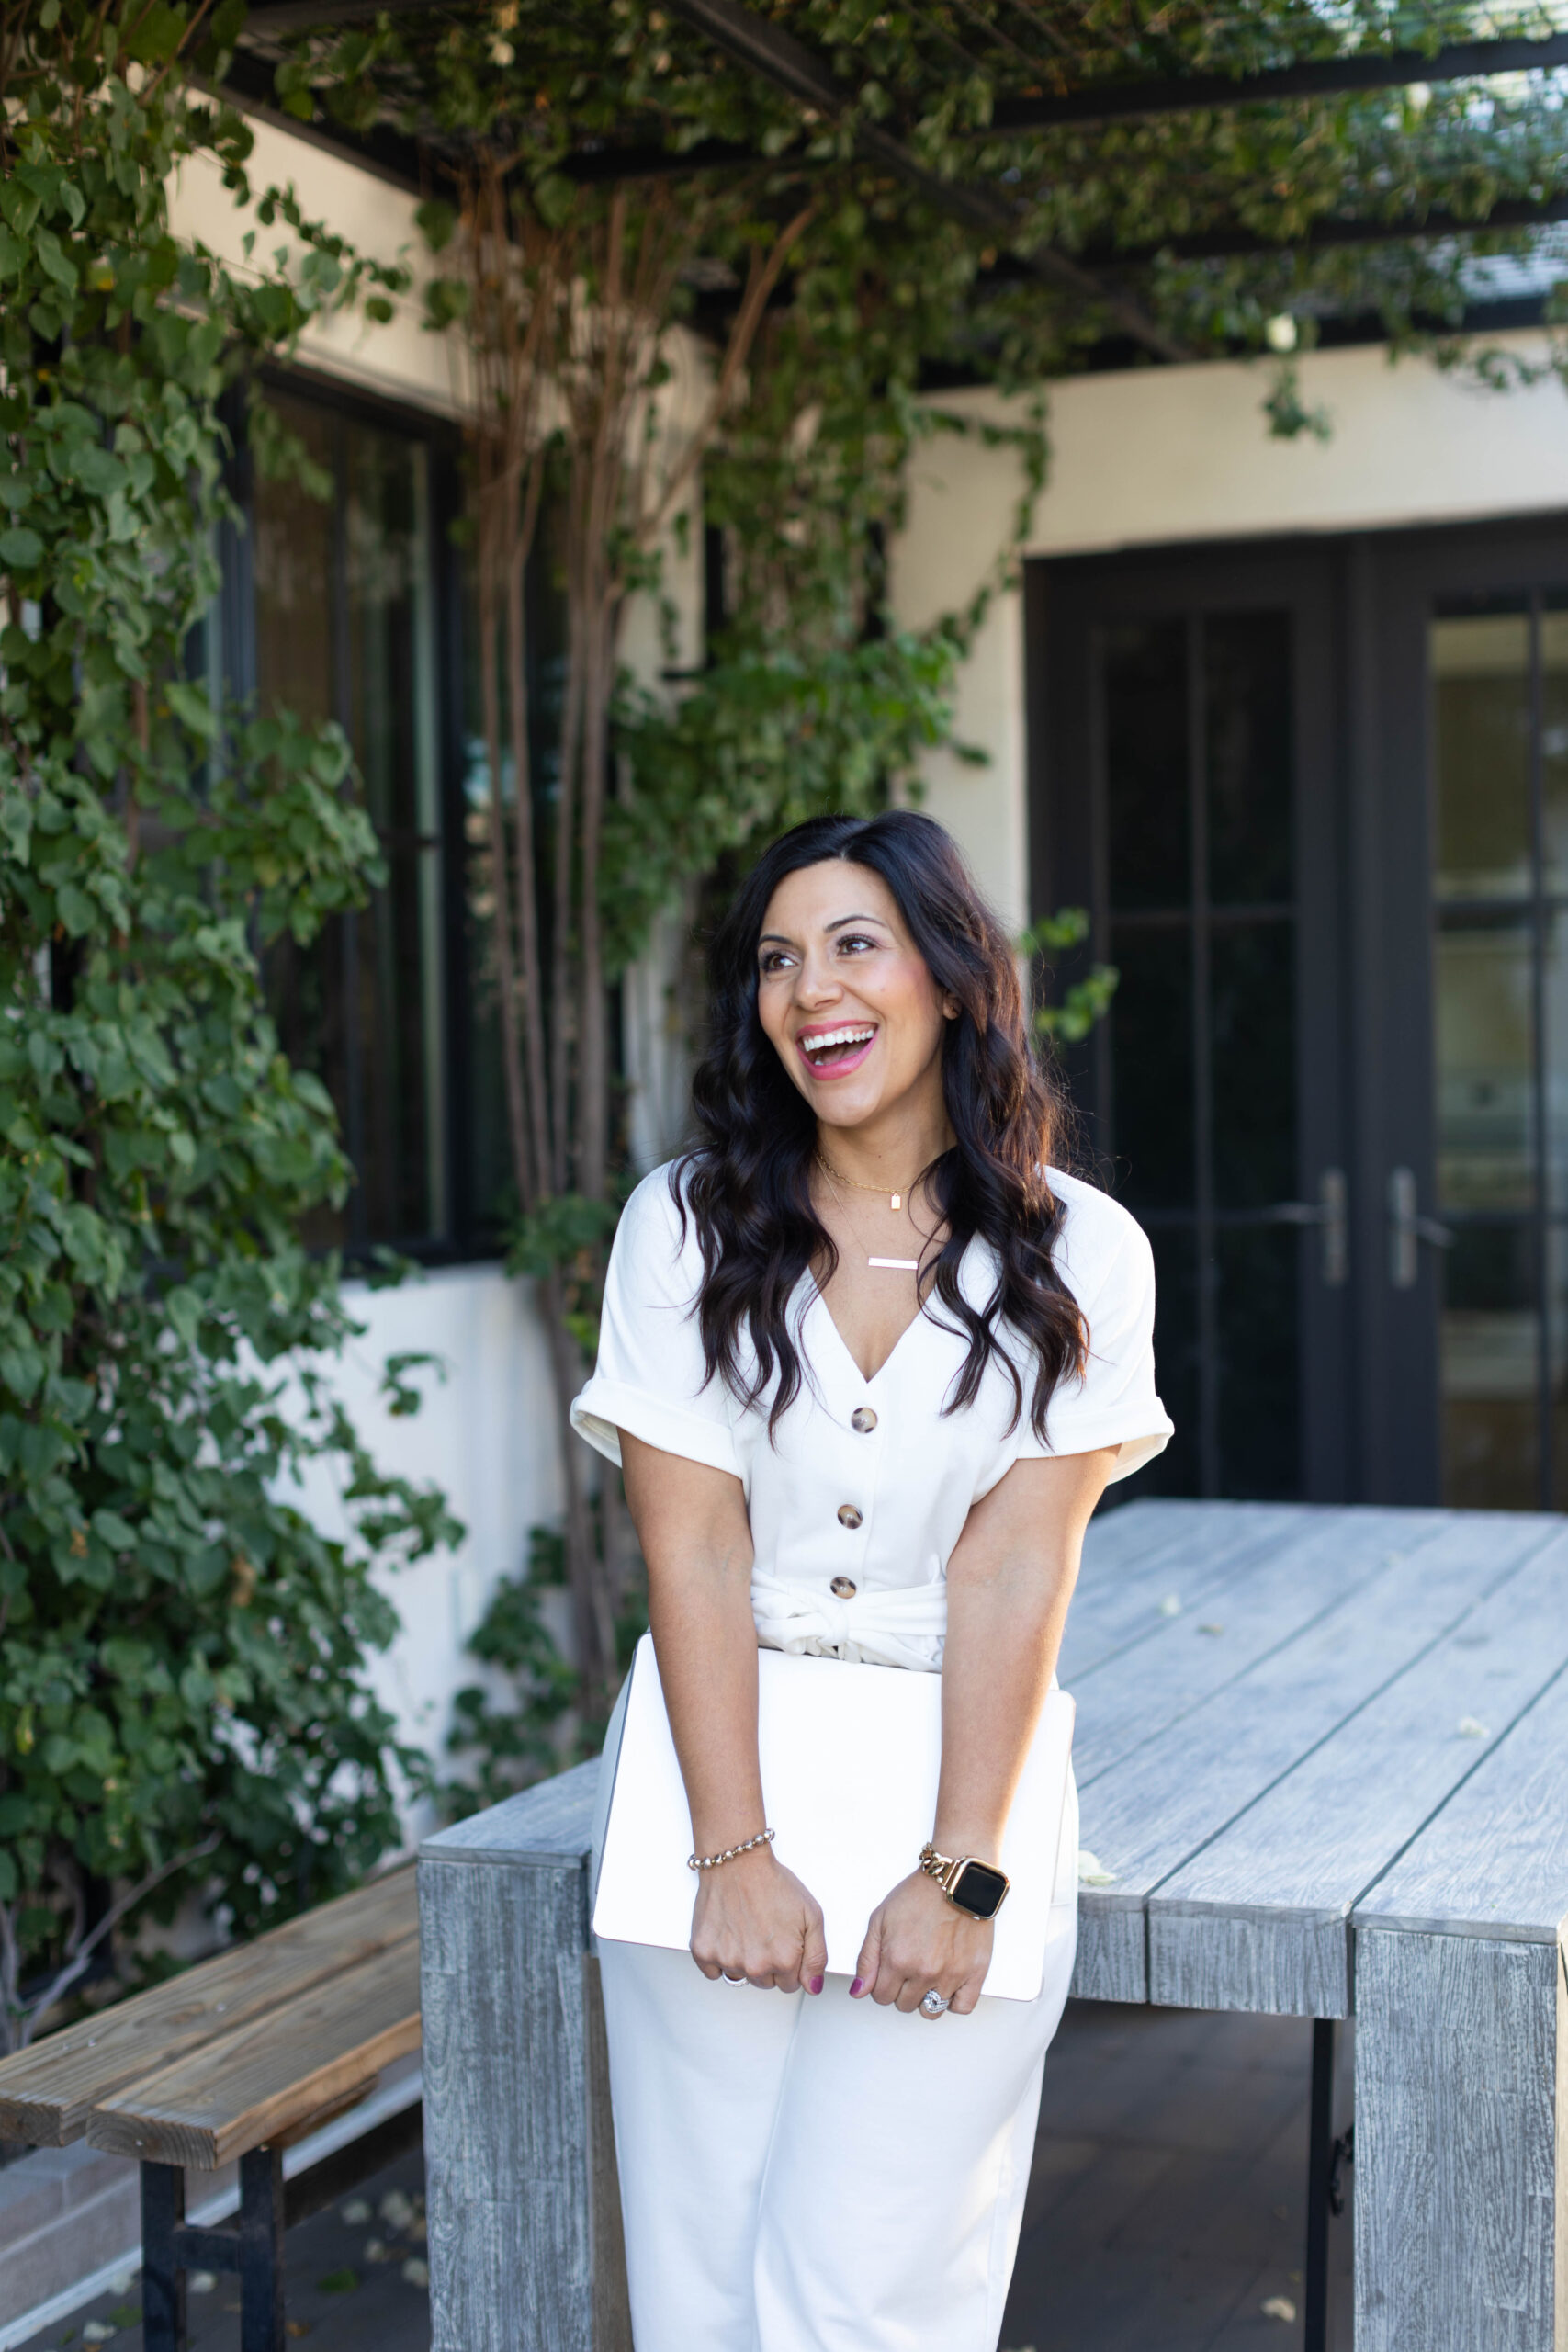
column 951, row 1008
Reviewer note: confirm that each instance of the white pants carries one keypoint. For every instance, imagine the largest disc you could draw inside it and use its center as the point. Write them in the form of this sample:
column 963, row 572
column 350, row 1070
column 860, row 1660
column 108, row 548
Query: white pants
column 806, row 2172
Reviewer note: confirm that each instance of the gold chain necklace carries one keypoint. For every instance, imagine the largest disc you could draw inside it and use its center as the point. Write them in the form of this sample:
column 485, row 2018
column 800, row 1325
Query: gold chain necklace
column 901, row 1265
column 836, row 1176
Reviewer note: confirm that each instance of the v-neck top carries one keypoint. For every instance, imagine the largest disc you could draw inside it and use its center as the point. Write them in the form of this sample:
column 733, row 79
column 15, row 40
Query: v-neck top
column 858, row 1498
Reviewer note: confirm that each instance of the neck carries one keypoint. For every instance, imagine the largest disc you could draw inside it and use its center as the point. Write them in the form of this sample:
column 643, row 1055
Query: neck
column 887, row 1152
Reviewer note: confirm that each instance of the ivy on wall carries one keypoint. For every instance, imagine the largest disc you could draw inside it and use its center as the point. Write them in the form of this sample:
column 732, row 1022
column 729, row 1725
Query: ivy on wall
column 184, row 1702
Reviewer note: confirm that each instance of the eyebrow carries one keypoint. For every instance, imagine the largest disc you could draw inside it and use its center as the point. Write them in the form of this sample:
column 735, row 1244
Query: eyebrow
column 836, row 924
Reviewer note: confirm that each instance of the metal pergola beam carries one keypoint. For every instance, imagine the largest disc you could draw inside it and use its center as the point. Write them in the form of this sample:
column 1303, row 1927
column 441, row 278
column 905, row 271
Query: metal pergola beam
column 1100, row 102
column 1313, row 78
column 1332, row 229
column 780, row 59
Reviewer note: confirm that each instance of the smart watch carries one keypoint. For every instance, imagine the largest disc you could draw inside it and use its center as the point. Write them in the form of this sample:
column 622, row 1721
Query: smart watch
column 969, row 1885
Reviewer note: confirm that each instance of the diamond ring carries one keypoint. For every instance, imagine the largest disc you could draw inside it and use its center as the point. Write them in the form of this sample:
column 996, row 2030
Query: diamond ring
column 727, row 1979
column 933, row 2003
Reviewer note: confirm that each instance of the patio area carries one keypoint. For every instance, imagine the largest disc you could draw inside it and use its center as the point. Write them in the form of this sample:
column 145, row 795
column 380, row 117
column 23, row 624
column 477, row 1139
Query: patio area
column 1167, row 2208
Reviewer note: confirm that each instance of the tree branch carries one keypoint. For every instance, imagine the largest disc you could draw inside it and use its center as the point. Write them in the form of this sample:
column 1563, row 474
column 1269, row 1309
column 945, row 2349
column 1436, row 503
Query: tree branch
column 60, row 1984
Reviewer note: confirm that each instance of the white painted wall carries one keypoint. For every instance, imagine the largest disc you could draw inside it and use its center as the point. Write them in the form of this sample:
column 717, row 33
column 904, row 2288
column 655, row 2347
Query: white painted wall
column 401, row 360
column 485, row 1434
column 1162, row 455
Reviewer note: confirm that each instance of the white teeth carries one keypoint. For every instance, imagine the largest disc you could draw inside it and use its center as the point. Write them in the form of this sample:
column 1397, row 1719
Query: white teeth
column 838, row 1037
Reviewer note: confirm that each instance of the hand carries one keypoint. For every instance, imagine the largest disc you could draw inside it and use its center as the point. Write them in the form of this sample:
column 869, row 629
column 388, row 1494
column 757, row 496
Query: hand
column 918, row 1939
column 753, row 1919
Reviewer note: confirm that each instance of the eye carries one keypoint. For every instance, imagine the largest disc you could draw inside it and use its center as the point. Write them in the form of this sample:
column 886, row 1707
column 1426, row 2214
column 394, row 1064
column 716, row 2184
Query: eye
column 772, row 959
column 856, row 943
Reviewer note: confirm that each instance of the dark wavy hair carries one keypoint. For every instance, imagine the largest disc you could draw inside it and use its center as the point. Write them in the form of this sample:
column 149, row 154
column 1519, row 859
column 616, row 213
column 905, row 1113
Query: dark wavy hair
column 746, row 1184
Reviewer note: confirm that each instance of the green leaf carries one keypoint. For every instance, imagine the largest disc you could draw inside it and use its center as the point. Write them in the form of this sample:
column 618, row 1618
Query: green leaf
column 437, row 223
column 190, row 704
column 77, row 912
column 21, row 549
column 21, row 1370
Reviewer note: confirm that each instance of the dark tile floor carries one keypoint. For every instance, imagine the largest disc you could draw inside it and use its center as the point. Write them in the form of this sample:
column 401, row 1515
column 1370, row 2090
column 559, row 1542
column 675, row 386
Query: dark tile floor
column 1167, row 2206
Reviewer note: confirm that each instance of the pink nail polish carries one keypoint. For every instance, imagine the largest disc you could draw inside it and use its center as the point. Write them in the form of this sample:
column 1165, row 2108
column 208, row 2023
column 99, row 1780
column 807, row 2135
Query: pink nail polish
column 817, row 1984
column 856, row 1989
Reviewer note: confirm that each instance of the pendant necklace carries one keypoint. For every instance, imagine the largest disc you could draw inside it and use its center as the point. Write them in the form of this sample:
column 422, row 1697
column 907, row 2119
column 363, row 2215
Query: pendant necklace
column 896, row 1201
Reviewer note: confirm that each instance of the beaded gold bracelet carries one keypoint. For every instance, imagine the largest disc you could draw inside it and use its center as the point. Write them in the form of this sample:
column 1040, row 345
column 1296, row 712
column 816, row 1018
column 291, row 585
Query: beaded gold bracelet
column 712, row 1862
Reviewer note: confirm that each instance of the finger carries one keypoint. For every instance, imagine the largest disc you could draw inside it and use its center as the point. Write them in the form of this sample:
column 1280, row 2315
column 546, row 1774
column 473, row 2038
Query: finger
column 889, row 1983
column 814, row 1956
column 868, row 1966
column 911, row 1993
column 963, row 2002
column 710, row 1968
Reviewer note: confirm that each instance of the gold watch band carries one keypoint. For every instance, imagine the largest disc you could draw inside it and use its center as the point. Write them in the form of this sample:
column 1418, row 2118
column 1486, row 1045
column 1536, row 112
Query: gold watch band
column 947, row 1871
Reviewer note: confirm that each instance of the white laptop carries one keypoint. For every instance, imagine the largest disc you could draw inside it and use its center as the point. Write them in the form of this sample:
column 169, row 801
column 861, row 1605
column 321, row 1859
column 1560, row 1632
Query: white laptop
column 849, row 1757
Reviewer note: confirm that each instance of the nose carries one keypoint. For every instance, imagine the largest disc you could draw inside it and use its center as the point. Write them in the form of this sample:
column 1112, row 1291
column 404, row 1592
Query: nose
column 816, row 983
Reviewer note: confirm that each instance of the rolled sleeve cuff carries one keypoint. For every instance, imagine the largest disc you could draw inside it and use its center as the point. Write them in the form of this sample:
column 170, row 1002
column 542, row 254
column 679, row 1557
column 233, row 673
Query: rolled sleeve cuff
column 1140, row 1436
column 605, row 1408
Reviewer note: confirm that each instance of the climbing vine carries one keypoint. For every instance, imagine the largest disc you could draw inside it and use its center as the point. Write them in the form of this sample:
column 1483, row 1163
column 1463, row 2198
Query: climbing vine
column 184, row 1705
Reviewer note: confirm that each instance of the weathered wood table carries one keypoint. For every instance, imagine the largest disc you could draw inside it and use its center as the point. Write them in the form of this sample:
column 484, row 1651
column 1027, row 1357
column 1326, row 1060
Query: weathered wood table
column 1323, row 1756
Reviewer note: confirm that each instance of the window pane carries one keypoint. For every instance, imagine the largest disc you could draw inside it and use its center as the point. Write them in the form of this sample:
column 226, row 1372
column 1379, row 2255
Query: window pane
column 292, row 551
column 343, row 631
column 1480, row 666
column 1554, row 999
column 1485, row 1050
column 1557, row 1341
column 1259, row 1402
column 1490, row 1371
column 486, row 1173
column 391, row 719
column 1252, row 969
column 1151, row 1054
column 1554, row 745
column 1247, row 679
column 1144, row 709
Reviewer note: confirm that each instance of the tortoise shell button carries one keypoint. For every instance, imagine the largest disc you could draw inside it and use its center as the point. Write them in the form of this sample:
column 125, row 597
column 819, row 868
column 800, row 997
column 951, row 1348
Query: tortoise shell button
column 848, row 1515
column 841, row 1588
column 862, row 1420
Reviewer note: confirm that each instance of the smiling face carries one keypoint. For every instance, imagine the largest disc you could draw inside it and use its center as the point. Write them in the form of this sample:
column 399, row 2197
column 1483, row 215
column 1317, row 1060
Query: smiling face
column 848, row 1000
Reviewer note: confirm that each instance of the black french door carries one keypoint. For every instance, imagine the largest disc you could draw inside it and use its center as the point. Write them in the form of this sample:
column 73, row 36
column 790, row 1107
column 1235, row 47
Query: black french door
column 1316, row 799
column 1183, row 731
column 1468, row 637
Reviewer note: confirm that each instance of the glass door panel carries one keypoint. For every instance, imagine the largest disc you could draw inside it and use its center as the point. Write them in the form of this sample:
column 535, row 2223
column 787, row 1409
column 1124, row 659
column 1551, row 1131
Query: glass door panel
column 1499, row 684
column 1199, row 788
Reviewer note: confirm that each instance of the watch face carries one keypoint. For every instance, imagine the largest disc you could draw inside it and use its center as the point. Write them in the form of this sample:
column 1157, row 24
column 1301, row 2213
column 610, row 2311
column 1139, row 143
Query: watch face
column 980, row 1889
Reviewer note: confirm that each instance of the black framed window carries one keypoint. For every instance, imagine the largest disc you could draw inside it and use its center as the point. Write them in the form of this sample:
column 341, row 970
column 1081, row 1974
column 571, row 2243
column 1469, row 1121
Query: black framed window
column 357, row 606
column 1498, row 674
column 343, row 593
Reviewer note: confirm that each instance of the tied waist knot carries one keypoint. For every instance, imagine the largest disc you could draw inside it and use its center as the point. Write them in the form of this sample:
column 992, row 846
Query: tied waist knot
column 904, row 1626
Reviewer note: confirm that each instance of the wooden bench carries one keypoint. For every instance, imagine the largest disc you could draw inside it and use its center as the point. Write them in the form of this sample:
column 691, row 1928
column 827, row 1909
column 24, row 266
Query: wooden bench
column 240, row 2057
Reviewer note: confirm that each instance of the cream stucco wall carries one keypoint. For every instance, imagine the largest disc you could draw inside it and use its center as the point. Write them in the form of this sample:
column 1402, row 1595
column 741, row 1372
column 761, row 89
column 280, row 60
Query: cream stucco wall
column 401, row 360
column 1164, row 454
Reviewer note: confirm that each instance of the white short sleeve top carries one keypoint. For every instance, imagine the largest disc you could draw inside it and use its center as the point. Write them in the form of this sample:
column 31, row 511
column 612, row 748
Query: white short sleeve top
column 858, row 1498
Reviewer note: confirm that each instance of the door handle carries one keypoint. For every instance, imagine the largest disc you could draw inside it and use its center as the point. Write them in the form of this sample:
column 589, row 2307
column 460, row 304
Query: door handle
column 1407, row 1229
column 1329, row 1211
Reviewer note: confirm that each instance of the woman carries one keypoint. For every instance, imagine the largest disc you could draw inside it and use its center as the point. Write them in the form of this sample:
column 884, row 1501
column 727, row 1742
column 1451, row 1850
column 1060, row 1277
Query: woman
column 868, row 1365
